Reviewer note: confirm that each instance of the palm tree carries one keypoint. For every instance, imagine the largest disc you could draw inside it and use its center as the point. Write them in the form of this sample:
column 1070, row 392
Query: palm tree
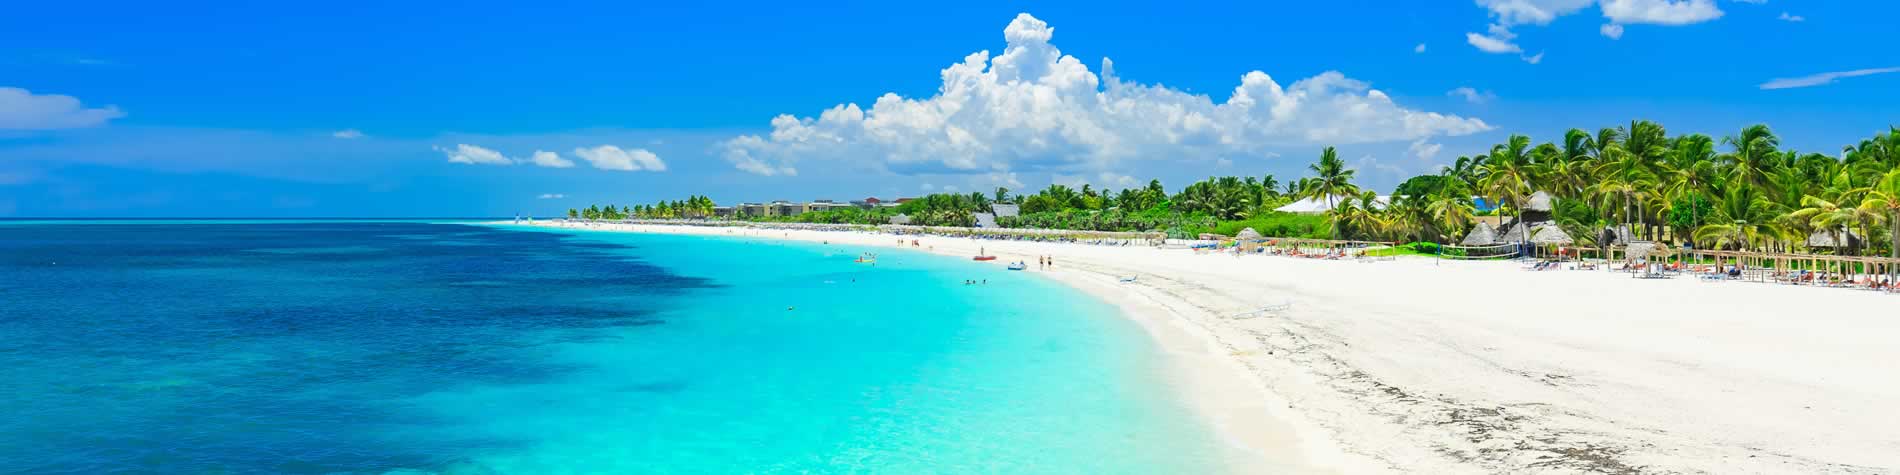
column 1751, row 154
column 1508, row 176
column 1883, row 199
column 1691, row 169
column 1331, row 179
column 1451, row 207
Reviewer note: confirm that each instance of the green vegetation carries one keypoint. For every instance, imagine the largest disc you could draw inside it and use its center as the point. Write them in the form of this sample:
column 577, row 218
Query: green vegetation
column 1742, row 191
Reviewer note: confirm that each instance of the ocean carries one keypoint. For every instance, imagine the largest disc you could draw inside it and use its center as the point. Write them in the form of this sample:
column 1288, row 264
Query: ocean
column 419, row 347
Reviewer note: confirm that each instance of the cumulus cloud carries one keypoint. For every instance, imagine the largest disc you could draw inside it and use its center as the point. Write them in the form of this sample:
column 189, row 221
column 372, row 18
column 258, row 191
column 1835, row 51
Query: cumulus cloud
column 1032, row 106
column 473, row 155
column 550, row 160
column 1790, row 18
column 551, row 196
column 608, row 157
column 21, row 109
column 348, row 134
column 1824, row 78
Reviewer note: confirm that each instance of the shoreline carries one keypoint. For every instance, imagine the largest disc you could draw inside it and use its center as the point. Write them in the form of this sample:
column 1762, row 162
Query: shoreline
column 1480, row 367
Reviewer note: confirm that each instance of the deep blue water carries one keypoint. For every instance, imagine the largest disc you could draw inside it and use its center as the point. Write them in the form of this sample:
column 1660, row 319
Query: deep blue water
column 373, row 347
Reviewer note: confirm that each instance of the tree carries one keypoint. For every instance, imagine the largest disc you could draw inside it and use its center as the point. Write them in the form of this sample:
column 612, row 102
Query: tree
column 1508, row 176
column 1883, row 199
column 1331, row 179
column 1002, row 195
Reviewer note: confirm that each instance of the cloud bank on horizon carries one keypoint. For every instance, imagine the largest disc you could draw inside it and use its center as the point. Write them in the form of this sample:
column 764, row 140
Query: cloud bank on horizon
column 604, row 157
column 1033, row 107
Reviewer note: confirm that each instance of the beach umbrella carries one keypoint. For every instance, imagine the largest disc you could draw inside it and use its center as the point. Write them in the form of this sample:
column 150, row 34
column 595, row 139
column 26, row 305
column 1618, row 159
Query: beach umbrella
column 1247, row 233
column 1550, row 235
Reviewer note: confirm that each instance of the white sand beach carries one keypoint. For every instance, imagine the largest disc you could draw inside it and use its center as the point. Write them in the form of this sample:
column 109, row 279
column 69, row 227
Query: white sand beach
column 1417, row 365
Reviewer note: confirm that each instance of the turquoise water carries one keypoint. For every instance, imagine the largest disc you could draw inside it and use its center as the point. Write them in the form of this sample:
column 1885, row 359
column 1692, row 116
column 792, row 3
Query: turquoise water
column 374, row 347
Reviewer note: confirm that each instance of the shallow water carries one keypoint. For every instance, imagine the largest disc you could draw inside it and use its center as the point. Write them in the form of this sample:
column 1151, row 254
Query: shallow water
column 371, row 347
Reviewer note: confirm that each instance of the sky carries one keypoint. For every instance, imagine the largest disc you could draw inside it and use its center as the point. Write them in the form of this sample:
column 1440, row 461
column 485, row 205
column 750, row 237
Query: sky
column 407, row 109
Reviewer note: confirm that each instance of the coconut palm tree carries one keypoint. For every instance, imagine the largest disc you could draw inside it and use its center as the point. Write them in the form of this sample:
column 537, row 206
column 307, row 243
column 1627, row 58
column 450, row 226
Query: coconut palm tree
column 1331, row 179
column 1751, row 154
column 1451, row 207
column 1883, row 200
column 1690, row 170
column 1508, row 176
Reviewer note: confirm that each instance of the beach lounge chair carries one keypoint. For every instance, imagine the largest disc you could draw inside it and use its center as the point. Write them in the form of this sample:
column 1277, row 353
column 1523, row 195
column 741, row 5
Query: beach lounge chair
column 1129, row 279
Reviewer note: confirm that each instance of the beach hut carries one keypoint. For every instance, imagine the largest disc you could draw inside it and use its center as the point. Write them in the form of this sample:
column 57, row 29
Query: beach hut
column 1549, row 238
column 1517, row 234
column 1480, row 235
column 1538, row 208
column 1550, row 234
column 1247, row 240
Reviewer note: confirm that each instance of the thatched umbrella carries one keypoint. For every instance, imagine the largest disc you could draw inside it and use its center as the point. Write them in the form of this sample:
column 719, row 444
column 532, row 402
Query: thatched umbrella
column 1480, row 235
column 1248, row 233
column 1551, row 235
column 1516, row 234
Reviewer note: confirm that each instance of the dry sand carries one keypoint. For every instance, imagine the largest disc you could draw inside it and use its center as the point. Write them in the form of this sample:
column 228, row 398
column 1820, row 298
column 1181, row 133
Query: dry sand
column 1415, row 365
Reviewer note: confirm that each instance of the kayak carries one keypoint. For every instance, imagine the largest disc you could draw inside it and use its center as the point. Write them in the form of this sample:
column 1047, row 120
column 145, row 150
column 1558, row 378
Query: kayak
column 983, row 258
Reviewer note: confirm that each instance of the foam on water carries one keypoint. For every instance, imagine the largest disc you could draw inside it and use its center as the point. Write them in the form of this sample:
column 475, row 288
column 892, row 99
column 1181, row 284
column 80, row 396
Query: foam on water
column 356, row 347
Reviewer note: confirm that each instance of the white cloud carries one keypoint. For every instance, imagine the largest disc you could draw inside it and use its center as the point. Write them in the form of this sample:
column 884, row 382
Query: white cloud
column 21, row 109
column 550, row 160
column 927, row 187
column 348, row 134
column 1424, row 150
column 1507, row 14
column 473, row 155
column 950, row 188
column 551, row 196
column 1660, row 12
column 1612, row 30
column 608, row 157
column 1419, row 49
column 1223, row 163
column 1032, row 105
column 1790, row 18
column 1498, row 41
column 1531, row 12
column 1757, row 2
column 1472, row 95
column 1824, row 78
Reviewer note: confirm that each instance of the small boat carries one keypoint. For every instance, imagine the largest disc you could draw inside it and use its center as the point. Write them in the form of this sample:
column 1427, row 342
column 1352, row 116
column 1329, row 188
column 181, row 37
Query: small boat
column 1018, row 265
column 983, row 258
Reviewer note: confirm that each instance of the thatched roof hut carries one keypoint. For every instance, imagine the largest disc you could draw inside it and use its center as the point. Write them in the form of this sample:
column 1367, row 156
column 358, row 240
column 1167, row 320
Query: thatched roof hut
column 1550, row 234
column 1540, row 201
column 1830, row 239
column 1647, row 250
column 1516, row 234
column 1247, row 233
column 1480, row 235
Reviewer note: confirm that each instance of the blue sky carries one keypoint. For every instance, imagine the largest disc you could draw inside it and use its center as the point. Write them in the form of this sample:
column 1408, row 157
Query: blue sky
column 361, row 109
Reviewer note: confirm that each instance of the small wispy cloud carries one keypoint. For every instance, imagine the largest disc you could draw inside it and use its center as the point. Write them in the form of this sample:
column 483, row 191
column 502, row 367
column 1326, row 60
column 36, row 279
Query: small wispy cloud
column 1611, row 30
column 1824, row 78
column 1419, row 49
column 474, row 155
column 550, row 160
column 550, row 196
column 608, row 157
column 1535, row 58
column 1790, row 18
column 1472, row 95
column 348, row 134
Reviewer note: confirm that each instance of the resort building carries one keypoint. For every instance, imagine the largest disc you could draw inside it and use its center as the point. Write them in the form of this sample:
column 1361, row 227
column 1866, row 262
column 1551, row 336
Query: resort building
column 755, row 209
column 824, row 205
column 868, row 203
column 724, row 211
column 787, row 208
